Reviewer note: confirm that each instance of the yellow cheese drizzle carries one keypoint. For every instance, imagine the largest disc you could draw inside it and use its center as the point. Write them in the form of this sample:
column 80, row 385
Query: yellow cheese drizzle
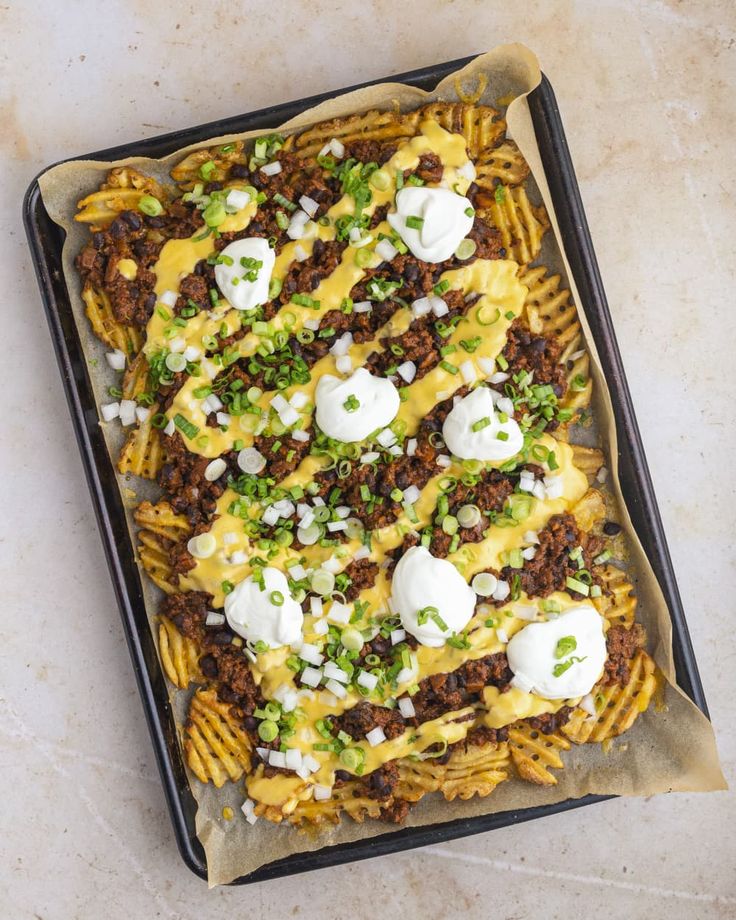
column 501, row 300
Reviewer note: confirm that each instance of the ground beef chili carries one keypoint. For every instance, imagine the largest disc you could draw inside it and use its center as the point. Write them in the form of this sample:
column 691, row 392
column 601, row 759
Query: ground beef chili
column 550, row 722
column 551, row 565
column 182, row 478
column 525, row 351
column 622, row 644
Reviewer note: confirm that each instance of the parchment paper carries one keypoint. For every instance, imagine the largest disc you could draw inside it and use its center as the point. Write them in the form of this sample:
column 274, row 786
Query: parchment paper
column 670, row 748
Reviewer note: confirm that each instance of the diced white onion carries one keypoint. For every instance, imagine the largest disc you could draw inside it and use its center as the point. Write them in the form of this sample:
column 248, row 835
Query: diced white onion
column 270, row 516
column 177, row 344
column 588, row 704
column 214, row 619
column 237, row 198
column 397, row 635
column 407, row 371
column 337, row 148
column 503, row 589
column 386, row 437
column 309, row 205
column 297, row 224
column 191, row 353
column 362, row 552
column 293, row 759
column 339, row 613
column 342, row 345
column 238, row 557
column 531, row 536
column 289, row 416
column 467, row 170
column 321, row 628
column 344, row 364
column 411, row 447
column 411, row 494
column 276, row 759
column 271, row 169
column 362, row 306
column 502, row 635
column 375, row 736
column 386, row 250
column 311, row 677
column 370, row 456
column 336, row 688
column 116, row 359
column 223, row 418
column 406, row 707
column 553, row 486
column 127, row 411
column 168, row 298
column 444, row 461
column 109, row 411
column 299, row 435
column 439, row 307
column 170, row 427
column 315, row 606
column 310, row 763
column 529, row 553
column 421, row 307
column 300, row 253
column 331, row 670
column 311, row 654
column 498, row 377
column 322, row 793
column 468, row 371
column 367, row 680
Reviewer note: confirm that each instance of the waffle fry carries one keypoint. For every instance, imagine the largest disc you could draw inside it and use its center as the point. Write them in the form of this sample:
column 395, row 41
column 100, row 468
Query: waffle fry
column 534, row 754
column 187, row 172
column 142, row 454
column 104, row 325
column 618, row 707
column 216, row 747
column 617, row 603
column 474, row 770
column 521, row 224
column 347, row 799
column 122, row 191
column 178, row 655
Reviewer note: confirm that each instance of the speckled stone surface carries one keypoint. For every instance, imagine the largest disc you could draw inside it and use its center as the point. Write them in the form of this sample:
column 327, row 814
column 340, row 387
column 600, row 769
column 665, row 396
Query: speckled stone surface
column 647, row 94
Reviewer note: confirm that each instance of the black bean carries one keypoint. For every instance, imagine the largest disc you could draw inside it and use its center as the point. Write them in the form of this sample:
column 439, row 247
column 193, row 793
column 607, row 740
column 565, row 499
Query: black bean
column 611, row 528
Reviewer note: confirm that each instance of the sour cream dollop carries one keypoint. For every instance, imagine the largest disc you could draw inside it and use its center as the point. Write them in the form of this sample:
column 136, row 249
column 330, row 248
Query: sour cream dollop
column 349, row 410
column 232, row 279
column 269, row 615
column 540, row 649
column 422, row 581
column 472, row 429
column 444, row 222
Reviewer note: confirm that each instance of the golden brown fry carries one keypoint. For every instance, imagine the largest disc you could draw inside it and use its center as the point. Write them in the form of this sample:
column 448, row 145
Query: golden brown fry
column 521, row 224
column 104, row 325
column 217, row 748
column 142, row 454
column 534, row 754
column 179, row 655
column 617, row 707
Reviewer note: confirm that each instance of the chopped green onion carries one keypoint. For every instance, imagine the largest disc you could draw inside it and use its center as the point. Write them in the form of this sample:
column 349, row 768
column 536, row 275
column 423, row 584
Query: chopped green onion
column 150, row 205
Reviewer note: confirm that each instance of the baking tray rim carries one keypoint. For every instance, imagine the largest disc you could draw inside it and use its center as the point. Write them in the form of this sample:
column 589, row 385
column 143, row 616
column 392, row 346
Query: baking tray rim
column 578, row 244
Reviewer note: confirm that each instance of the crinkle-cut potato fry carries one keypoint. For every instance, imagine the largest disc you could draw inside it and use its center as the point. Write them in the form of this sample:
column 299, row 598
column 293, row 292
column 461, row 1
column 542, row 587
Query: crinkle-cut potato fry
column 590, row 510
column 187, row 173
column 618, row 602
column 160, row 527
column 121, row 191
column 417, row 778
column 142, row 454
column 534, row 754
column 153, row 551
column 588, row 460
column 480, row 125
column 344, row 799
column 217, row 749
column 106, row 327
column 179, row 655
column 135, row 377
column 549, row 311
column 475, row 770
column 520, row 223
column 503, row 164
column 617, row 707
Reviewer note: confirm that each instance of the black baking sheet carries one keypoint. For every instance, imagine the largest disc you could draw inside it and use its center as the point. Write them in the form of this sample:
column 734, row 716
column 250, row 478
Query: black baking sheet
column 46, row 239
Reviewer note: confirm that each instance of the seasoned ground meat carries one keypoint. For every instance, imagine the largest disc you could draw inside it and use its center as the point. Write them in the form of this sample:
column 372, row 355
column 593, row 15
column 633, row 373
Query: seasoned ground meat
column 364, row 717
column 196, row 288
column 283, row 454
column 396, row 812
column 370, row 151
column 441, row 693
column 430, row 168
column 621, row 644
column 187, row 612
column 304, row 277
column 550, row 567
column 529, row 352
column 362, row 574
column 381, row 783
column 182, row 478
column 551, row 721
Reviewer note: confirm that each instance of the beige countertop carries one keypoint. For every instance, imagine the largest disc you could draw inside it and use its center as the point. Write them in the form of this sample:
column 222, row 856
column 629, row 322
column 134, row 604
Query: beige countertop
column 647, row 93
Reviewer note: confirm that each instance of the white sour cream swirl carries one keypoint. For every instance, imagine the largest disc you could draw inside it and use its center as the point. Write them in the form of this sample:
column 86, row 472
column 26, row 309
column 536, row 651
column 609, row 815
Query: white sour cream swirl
column 351, row 409
column 239, row 292
column 484, row 443
column 421, row 581
column 256, row 615
column 444, row 223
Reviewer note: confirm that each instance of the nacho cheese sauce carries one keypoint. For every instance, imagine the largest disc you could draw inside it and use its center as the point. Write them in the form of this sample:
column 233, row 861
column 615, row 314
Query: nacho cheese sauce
column 499, row 299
